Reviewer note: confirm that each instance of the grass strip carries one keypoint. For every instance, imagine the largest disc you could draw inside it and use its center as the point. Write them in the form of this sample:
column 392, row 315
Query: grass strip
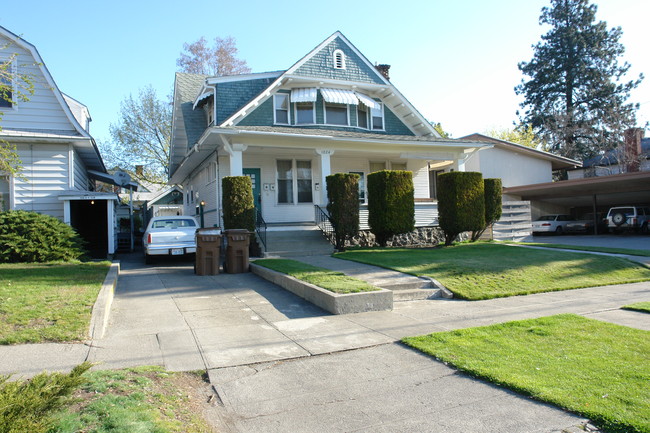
column 643, row 307
column 596, row 369
column 333, row 281
column 477, row 271
column 626, row 251
column 48, row 302
column 143, row 399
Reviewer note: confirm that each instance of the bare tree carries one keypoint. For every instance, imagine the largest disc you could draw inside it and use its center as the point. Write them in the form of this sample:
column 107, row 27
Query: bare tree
column 219, row 60
column 141, row 136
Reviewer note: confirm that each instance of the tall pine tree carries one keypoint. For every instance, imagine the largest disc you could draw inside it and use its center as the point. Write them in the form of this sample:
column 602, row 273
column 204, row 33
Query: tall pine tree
column 576, row 98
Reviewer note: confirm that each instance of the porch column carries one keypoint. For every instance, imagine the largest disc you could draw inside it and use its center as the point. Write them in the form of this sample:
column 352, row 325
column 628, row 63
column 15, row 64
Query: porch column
column 236, row 164
column 325, row 170
column 459, row 162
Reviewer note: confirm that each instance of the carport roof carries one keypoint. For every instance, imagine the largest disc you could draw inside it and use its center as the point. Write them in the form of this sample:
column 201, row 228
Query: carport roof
column 615, row 189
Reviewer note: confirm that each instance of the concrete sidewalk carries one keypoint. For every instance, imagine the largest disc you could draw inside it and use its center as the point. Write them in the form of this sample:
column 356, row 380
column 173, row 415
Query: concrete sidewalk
column 272, row 356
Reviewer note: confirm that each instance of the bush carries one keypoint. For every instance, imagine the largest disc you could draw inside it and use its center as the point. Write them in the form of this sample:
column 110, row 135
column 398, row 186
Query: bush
column 391, row 206
column 33, row 237
column 343, row 206
column 238, row 203
column 29, row 406
column 461, row 203
column 492, row 193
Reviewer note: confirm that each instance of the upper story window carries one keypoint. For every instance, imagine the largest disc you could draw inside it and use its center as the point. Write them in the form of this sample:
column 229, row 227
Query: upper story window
column 7, row 90
column 362, row 116
column 339, row 59
column 336, row 114
column 377, row 115
column 281, row 104
column 305, row 113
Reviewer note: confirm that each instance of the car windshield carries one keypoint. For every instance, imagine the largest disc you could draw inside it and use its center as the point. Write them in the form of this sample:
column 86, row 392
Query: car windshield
column 628, row 211
column 173, row 223
column 547, row 218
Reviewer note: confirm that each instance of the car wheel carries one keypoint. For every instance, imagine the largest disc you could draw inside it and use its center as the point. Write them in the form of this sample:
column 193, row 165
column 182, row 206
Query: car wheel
column 619, row 218
column 558, row 231
column 644, row 229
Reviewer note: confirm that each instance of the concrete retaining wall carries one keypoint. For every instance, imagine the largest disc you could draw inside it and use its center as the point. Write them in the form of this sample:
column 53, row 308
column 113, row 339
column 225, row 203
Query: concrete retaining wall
column 102, row 307
column 335, row 303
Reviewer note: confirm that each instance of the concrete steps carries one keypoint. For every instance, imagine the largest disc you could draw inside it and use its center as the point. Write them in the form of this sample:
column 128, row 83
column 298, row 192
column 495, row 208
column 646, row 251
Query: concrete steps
column 299, row 241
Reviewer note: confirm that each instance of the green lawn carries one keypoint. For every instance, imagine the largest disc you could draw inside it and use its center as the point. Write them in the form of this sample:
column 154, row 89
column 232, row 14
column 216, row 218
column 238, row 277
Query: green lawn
column 143, row 399
column 485, row 270
column 644, row 307
column 48, row 302
column 627, row 251
column 596, row 369
column 336, row 282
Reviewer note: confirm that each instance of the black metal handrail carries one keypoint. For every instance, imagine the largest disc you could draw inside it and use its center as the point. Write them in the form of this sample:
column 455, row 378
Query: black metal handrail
column 324, row 223
column 260, row 228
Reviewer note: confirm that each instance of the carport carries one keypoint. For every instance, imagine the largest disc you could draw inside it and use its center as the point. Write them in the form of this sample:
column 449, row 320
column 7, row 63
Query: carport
column 592, row 194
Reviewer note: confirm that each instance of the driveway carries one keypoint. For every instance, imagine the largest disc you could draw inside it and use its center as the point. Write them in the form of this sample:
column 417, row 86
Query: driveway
column 623, row 240
column 281, row 364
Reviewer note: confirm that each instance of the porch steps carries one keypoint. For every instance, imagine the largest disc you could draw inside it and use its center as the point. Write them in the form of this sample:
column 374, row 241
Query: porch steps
column 289, row 241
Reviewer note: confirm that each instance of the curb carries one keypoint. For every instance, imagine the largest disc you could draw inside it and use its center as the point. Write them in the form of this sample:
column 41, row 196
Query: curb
column 102, row 307
column 335, row 303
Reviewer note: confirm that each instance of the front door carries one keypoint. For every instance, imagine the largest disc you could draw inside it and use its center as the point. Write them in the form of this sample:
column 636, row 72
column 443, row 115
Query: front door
column 254, row 174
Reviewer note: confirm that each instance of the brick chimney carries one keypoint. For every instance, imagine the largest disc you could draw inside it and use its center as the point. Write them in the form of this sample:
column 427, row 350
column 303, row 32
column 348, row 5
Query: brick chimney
column 383, row 70
column 633, row 137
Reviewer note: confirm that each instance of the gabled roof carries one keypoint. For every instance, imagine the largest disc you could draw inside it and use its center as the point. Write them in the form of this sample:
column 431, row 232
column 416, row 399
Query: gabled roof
column 612, row 157
column 90, row 154
column 380, row 86
column 557, row 162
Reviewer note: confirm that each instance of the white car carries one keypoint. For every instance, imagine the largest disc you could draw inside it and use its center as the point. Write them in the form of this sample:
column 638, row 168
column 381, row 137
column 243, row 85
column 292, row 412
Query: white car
column 169, row 236
column 552, row 223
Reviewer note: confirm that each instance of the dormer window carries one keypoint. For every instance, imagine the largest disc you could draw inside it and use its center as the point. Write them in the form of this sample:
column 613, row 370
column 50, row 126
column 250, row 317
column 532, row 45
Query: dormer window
column 8, row 85
column 339, row 59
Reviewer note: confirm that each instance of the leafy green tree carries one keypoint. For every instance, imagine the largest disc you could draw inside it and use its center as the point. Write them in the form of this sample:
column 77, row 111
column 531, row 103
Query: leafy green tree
column 439, row 130
column 141, row 136
column 521, row 134
column 220, row 59
column 576, row 84
column 15, row 87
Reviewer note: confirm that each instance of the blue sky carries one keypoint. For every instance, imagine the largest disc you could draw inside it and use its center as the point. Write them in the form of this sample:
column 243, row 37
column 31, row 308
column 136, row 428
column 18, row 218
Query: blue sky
column 456, row 61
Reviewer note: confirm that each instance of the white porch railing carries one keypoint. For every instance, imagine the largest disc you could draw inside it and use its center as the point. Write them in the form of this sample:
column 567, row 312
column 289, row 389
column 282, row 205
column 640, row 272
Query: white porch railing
column 515, row 219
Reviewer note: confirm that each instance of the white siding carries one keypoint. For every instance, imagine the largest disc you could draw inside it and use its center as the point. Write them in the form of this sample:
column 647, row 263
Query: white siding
column 512, row 168
column 80, row 173
column 420, row 170
column 46, row 169
column 43, row 110
column 203, row 182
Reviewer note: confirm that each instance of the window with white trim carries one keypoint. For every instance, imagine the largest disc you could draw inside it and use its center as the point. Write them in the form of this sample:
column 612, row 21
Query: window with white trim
column 377, row 166
column 294, row 181
column 362, row 116
column 305, row 113
column 377, row 116
column 336, row 114
column 362, row 185
column 4, row 193
column 8, row 73
column 281, row 104
column 338, row 59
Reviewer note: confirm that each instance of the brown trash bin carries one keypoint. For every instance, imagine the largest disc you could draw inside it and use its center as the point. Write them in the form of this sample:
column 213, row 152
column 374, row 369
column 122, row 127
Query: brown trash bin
column 237, row 251
column 208, row 251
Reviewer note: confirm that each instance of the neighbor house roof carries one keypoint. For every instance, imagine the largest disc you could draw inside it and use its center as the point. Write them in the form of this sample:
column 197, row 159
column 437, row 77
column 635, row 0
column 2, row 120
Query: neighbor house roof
column 557, row 162
column 611, row 157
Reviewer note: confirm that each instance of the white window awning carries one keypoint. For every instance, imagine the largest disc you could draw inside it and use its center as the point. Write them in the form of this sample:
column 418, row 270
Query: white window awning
column 368, row 101
column 303, row 95
column 339, row 96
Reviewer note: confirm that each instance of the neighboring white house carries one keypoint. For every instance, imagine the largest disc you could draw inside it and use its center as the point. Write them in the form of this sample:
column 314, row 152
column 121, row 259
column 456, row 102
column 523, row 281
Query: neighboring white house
column 59, row 156
column 332, row 111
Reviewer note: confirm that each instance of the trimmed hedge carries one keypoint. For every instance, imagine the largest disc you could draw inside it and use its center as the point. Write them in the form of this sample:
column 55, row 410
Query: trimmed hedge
column 32, row 237
column 493, row 204
column 391, row 204
column 461, row 203
column 343, row 206
column 238, row 203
